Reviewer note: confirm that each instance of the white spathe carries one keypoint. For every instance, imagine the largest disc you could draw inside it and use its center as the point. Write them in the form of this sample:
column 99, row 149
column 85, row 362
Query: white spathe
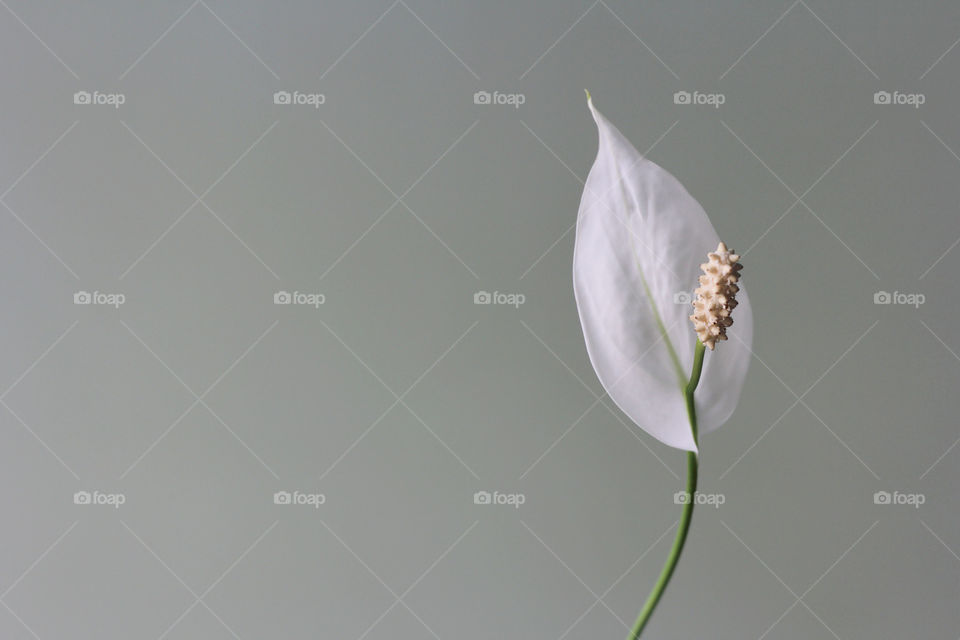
column 640, row 241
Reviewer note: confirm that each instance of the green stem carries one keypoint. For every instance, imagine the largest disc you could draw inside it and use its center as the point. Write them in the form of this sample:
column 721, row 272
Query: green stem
column 687, row 515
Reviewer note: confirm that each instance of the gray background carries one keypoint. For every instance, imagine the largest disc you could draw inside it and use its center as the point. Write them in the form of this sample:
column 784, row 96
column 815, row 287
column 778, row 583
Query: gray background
column 398, row 398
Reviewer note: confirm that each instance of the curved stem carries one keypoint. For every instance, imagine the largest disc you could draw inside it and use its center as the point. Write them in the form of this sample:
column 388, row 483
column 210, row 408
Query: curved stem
column 687, row 515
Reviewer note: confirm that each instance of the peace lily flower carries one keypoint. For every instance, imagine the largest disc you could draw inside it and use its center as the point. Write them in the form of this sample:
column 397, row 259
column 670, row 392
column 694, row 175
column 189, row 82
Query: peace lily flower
column 640, row 241
column 640, row 245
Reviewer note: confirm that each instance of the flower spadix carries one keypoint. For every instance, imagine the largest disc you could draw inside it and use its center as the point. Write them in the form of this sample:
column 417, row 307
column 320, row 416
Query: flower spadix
column 640, row 241
column 716, row 296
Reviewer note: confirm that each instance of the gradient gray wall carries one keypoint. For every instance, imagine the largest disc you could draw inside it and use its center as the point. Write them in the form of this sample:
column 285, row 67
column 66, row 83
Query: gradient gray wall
column 393, row 199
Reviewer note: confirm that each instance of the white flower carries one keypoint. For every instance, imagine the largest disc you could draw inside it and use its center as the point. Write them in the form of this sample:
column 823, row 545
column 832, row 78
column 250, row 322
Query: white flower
column 640, row 241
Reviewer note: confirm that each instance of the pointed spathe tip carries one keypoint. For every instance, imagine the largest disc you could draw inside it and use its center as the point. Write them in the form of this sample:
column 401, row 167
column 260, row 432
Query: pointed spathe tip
column 593, row 110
